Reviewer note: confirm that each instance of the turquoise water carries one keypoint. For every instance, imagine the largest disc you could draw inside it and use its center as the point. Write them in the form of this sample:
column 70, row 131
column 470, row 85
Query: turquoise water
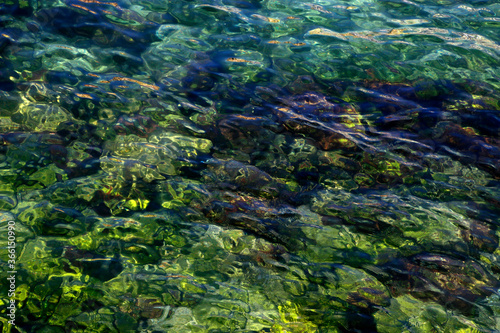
column 250, row 166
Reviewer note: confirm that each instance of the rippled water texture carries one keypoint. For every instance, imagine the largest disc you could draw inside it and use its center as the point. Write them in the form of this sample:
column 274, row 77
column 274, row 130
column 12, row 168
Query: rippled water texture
column 251, row 166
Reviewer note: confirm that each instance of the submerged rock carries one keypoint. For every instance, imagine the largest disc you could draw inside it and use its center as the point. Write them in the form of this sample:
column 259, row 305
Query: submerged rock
column 457, row 283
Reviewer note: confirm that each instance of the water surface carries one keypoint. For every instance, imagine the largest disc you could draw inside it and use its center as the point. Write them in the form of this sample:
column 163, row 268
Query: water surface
column 251, row 166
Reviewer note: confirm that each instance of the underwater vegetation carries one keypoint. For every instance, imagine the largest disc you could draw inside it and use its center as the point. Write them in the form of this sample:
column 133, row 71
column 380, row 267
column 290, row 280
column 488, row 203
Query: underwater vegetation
column 250, row 165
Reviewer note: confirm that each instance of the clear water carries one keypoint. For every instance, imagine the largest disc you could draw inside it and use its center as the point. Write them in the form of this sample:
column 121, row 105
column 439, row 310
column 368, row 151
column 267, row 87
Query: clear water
column 250, row 166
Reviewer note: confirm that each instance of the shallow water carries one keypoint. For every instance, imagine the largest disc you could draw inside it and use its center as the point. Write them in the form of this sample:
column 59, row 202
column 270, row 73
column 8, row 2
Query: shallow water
column 251, row 166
